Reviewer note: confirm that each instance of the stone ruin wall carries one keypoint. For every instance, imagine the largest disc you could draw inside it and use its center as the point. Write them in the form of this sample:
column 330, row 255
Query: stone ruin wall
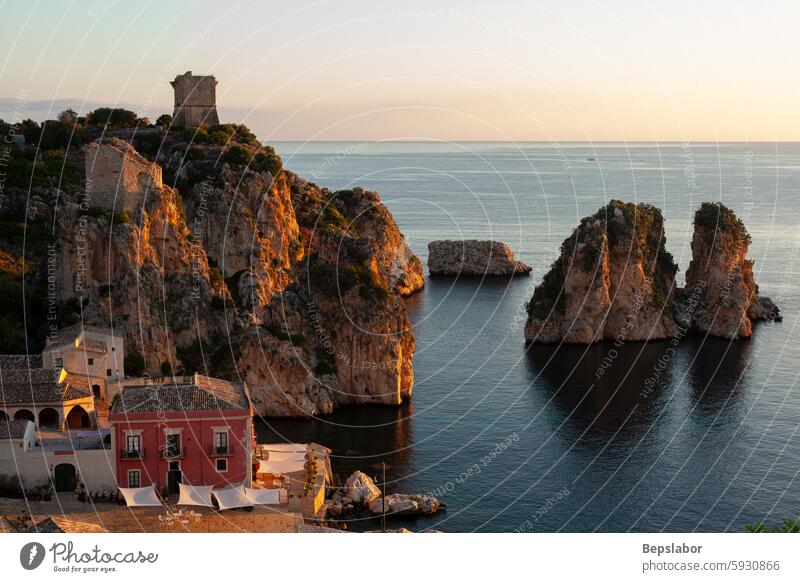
column 117, row 177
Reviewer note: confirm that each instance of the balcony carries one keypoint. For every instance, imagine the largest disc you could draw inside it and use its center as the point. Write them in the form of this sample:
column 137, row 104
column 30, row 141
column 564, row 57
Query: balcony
column 131, row 455
column 172, row 453
column 220, row 452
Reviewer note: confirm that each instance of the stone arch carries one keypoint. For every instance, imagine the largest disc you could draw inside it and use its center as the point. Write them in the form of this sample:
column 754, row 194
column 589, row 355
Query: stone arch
column 97, row 392
column 78, row 417
column 3, row 415
column 49, row 418
column 24, row 414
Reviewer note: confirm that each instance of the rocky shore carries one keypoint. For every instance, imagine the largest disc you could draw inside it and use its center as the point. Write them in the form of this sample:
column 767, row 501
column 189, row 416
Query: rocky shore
column 615, row 280
column 473, row 258
column 359, row 496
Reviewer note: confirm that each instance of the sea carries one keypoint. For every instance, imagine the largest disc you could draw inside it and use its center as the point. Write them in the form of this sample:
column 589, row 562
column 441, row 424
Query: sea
column 701, row 436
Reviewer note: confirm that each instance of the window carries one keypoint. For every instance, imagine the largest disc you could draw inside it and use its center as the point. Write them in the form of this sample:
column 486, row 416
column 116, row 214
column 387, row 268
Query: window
column 108, row 371
column 173, row 445
column 90, row 361
column 221, row 442
column 222, row 465
column 113, row 349
column 133, row 441
column 134, row 478
column 59, row 362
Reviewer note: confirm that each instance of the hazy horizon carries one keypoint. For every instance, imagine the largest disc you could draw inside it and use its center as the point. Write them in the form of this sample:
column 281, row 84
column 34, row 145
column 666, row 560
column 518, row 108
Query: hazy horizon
column 485, row 71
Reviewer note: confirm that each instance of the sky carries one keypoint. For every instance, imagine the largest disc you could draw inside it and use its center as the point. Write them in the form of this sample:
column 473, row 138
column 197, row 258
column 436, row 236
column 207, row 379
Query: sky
column 443, row 70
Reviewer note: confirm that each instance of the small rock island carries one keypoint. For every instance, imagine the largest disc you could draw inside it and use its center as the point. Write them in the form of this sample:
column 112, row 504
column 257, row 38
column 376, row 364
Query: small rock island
column 615, row 280
column 473, row 258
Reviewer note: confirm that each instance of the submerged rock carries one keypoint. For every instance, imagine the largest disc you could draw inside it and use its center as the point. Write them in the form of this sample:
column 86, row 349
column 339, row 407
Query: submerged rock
column 720, row 276
column 476, row 258
column 613, row 280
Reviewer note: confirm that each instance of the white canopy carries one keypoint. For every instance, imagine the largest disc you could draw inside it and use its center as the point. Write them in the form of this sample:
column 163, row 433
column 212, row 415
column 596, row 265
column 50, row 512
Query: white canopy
column 286, row 447
column 283, row 466
column 140, row 496
column 263, row 496
column 232, row 498
column 195, row 495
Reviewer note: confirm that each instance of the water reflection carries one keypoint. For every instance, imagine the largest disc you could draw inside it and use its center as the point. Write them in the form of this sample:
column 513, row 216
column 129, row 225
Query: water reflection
column 602, row 391
column 360, row 438
column 718, row 376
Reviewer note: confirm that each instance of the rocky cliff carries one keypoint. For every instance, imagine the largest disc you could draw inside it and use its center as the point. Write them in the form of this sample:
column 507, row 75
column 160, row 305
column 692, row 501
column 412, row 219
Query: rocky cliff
column 238, row 268
column 726, row 298
column 615, row 280
column 476, row 258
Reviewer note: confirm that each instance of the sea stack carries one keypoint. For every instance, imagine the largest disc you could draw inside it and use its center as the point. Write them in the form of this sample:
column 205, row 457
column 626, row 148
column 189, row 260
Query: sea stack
column 473, row 258
column 721, row 297
column 612, row 280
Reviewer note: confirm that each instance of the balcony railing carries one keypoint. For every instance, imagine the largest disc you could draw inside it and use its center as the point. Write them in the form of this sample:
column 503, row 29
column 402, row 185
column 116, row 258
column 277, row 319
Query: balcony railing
column 131, row 454
column 220, row 451
column 172, row 453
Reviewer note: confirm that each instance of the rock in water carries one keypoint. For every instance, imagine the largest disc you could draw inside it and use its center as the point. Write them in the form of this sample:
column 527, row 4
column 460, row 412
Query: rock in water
column 476, row 258
column 613, row 280
column 721, row 298
column 403, row 504
column 361, row 489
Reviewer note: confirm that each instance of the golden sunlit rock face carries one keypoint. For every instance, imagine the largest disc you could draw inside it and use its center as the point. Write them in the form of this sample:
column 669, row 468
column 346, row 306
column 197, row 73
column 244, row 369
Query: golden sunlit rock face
column 238, row 268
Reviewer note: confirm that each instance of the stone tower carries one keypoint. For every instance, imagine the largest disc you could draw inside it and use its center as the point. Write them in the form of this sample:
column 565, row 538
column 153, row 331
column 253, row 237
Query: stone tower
column 195, row 100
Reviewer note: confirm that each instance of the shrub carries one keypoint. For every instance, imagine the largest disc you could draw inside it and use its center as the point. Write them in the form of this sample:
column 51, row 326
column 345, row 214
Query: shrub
column 267, row 160
column 134, row 364
column 166, row 368
column 238, row 155
column 122, row 217
column 164, row 120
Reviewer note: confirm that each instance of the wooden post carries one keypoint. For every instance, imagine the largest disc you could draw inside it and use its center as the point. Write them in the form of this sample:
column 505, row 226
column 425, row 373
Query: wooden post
column 383, row 501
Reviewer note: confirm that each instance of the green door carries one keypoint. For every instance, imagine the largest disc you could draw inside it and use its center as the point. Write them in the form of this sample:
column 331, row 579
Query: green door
column 65, row 478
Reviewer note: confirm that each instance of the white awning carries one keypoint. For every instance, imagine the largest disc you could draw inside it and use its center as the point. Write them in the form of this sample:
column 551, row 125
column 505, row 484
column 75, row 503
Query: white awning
column 286, row 447
column 232, row 498
column 281, row 467
column 195, row 495
column 263, row 496
column 140, row 496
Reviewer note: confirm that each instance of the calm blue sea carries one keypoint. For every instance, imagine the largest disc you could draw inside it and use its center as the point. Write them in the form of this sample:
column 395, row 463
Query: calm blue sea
column 528, row 438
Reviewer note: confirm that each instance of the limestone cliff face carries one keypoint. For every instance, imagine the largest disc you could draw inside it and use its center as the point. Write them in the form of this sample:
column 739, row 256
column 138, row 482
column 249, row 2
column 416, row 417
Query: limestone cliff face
column 477, row 258
column 141, row 273
column 613, row 280
column 727, row 299
column 252, row 272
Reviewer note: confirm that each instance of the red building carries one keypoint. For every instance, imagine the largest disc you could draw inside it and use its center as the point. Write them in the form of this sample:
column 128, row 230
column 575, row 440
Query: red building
column 197, row 430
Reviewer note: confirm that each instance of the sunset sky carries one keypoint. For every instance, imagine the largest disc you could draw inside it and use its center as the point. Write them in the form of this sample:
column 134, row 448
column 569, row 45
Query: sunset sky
column 480, row 70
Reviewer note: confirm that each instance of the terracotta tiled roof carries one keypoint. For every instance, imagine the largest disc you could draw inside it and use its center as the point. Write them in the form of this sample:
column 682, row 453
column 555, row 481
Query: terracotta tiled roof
column 12, row 429
column 39, row 385
column 68, row 334
column 13, row 361
column 193, row 394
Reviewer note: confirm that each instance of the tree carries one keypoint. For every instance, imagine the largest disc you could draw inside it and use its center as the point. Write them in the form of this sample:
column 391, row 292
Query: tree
column 164, row 120
column 68, row 116
column 112, row 117
column 134, row 364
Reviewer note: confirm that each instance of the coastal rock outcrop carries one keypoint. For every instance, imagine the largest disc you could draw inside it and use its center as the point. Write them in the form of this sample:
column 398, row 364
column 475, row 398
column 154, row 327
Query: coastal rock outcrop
column 233, row 267
column 404, row 504
column 477, row 258
column 613, row 280
column 720, row 275
column 360, row 489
